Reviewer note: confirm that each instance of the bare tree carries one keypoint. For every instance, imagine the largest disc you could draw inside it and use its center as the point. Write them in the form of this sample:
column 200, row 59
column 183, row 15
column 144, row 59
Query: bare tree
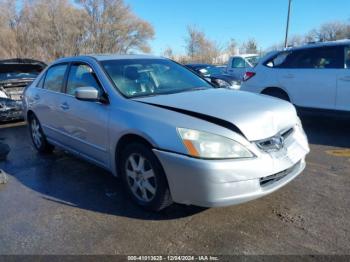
column 199, row 47
column 48, row 29
column 9, row 21
column 169, row 53
column 329, row 32
column 251, row 47
column 113, row 27
column 232, row 47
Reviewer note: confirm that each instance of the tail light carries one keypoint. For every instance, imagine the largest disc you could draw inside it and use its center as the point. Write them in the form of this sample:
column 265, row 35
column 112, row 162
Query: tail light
column 248, row 75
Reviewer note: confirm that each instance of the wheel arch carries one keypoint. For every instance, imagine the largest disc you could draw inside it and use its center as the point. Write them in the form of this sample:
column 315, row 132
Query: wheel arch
column 267, row 90
column 122, row 142
column 125, row 140
column 29, row 113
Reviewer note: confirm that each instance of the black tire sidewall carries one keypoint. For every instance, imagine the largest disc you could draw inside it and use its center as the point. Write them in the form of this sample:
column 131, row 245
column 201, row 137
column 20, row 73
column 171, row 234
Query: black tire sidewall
column 45, row 146
column 162, row 184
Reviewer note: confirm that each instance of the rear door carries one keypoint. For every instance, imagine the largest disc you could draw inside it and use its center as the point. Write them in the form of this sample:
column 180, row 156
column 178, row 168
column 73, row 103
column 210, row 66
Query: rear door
column 46, row 100
column 310, row 76
column 343, row 83
column 85, row 123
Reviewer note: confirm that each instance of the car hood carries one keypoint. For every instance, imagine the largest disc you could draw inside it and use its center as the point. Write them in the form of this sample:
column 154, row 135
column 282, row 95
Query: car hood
column 256, row 116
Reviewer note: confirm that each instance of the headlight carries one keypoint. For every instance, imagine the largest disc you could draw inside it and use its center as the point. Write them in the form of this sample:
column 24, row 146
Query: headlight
column 235, row 85
column 3, row 94
column 205, row 145
column 223, row 83
column 300, row 131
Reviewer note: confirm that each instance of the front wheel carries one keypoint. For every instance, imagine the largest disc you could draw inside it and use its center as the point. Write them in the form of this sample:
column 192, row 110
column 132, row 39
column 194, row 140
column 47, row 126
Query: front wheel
column 144, row 178
column 38, row 137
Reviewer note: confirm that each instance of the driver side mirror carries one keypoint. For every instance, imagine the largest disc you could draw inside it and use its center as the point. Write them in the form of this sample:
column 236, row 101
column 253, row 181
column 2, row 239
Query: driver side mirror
column 87, row 93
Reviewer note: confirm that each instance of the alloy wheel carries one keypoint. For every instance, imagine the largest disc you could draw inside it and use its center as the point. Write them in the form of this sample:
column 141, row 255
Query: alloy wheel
column 36, row 133
column 140, row 177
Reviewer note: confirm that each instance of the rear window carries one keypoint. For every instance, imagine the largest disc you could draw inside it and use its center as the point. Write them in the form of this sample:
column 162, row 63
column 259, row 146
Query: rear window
column 253, row 60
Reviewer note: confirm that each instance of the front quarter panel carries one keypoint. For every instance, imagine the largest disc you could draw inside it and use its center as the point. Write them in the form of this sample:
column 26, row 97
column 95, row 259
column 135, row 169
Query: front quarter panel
column 157, row 126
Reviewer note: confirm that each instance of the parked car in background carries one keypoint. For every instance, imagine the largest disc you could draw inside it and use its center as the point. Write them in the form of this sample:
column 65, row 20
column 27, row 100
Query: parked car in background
column 239, row 64
column 216, row 75
column 15, row 75
column 168, row 133
column 314, row 76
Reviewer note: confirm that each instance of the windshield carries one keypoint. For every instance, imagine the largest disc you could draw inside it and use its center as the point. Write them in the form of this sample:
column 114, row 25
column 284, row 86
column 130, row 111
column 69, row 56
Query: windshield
column 145, row 77
column 253, row 60
column 19, row 71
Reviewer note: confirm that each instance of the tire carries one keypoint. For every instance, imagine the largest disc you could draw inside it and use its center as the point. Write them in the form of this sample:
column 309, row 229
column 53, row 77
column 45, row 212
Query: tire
column 278, row 94
column 38, row 137
column 143, row 177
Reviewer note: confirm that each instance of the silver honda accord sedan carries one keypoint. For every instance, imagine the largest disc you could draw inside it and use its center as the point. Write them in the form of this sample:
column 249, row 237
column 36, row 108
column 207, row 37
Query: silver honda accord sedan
column 167, row 133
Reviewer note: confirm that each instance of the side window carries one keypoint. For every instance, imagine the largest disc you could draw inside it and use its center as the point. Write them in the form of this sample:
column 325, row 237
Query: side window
column 347, row 57
column 238, row 62
column 81, row 75
column 55, row 77
column 278, row 61
column 317, row 58
column 41, row 81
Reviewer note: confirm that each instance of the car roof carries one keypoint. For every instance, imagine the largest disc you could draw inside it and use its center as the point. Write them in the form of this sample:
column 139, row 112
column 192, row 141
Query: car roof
column 105, row 57
column 246, row 55
column 320, row 44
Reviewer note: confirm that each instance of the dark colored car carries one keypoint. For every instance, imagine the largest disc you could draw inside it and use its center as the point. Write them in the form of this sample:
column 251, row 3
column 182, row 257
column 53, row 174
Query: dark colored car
column 15, row 75
column 216, row 75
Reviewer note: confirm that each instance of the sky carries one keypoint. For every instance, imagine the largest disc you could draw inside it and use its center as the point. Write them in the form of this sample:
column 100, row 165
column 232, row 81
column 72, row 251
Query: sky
column 221, row 20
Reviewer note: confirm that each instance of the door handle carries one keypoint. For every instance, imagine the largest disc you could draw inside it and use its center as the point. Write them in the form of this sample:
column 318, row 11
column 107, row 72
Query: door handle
column 288, row 76
column 36, row 97
column 64, row 106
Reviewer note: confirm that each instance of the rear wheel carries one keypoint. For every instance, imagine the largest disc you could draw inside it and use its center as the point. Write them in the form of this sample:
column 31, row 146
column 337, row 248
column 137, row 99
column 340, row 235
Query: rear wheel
column 38, row 137
column 144, row 178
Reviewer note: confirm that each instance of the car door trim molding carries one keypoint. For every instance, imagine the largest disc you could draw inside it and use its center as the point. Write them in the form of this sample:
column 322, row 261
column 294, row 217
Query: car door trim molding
column 104, row 150
column 210, row 119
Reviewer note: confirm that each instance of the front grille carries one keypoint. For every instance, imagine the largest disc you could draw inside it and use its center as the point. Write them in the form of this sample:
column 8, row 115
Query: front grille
column 274, row 143
column 268, row 180
column 287, row 133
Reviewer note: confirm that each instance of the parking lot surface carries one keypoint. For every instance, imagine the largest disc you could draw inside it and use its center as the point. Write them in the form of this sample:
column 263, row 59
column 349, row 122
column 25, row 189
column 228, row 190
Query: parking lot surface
column 58, row 204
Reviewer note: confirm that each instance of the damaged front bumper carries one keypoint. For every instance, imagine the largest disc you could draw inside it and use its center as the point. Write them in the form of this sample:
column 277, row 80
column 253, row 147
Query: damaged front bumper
column 10, row 110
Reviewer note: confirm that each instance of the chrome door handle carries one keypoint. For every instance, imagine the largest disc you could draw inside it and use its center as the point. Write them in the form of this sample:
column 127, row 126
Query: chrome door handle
column 64, row 106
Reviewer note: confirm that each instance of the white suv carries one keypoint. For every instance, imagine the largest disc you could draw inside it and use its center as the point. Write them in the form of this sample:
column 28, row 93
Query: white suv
column 315, row 76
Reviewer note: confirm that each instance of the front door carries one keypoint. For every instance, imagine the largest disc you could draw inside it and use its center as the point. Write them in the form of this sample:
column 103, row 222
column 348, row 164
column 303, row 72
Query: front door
column 86, row 123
